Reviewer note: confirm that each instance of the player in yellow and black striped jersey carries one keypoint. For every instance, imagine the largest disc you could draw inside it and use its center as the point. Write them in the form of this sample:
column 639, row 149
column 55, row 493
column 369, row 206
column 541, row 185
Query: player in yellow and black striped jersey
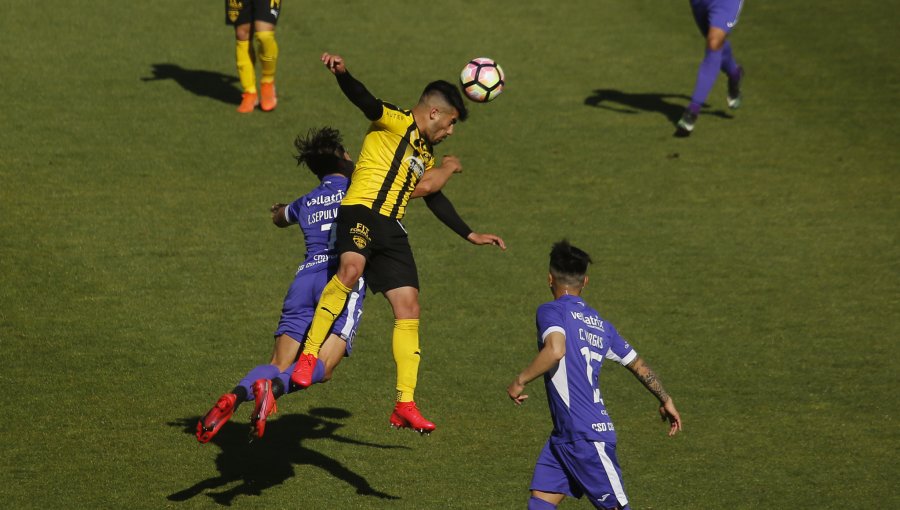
column 396, row 164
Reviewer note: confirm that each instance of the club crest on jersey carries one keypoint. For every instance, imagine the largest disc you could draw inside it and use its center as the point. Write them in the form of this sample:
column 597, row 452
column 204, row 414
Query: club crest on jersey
column 416, row 166
column 360, row 235
column 234, row 9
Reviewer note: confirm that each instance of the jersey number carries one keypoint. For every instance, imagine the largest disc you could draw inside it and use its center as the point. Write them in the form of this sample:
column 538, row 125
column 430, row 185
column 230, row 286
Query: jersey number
column 590, row 356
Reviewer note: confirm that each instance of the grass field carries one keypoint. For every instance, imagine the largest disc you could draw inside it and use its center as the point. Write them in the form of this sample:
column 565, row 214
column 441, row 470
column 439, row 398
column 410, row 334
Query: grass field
column 756, row 265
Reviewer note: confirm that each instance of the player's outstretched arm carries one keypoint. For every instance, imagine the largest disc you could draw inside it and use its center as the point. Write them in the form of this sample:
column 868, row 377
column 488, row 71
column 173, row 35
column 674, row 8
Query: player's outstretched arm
column 355, row 91
column 554, row 349
column 443, row 209
column 278, row 217
column 649, row 379
column 480, row 239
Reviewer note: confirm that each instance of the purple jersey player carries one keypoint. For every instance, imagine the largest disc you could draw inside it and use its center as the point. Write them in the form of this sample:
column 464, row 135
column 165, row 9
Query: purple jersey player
column 573, row 342
column 323, row 152
column 715, row 19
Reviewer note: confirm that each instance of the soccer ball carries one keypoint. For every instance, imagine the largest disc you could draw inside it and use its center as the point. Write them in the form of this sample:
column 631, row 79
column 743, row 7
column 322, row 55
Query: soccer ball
column 482, row 80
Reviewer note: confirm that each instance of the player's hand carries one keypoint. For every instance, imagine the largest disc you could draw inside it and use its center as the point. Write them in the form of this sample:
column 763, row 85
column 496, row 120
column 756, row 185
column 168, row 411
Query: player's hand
column 668, row 412
column 515, row 390
column 482, row 239
column 334, row 63
column 275, row 207
column 451, row 163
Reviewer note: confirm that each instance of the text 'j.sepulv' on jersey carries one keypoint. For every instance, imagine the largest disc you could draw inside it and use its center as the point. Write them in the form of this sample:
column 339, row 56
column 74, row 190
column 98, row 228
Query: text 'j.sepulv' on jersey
column 315, row 213
column 394, row 157
column 573, row 387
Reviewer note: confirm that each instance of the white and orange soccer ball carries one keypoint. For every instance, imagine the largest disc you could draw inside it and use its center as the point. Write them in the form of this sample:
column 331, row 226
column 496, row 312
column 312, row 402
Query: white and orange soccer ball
column 482, row 80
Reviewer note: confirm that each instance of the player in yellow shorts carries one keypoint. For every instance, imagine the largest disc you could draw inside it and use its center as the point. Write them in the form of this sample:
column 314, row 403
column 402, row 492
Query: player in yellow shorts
column 256, row 18
column 396, row 163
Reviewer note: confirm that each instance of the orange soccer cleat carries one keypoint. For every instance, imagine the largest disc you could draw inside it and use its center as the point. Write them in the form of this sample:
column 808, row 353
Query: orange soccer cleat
column 249, row 100
column 407, row 415
column 268, row 99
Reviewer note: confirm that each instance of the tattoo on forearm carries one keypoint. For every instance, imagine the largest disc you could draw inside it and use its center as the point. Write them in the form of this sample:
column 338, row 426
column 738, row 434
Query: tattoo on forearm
column 649, row 379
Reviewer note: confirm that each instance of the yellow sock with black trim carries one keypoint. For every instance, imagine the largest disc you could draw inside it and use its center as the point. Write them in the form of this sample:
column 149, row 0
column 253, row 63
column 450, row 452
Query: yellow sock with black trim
column 407, row 356
column 268, row 55
column 334, row 297
column 246, row 73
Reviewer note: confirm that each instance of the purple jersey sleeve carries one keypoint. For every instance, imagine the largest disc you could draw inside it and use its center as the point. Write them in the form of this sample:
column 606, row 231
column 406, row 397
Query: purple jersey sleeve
column 549, row 319
column 620, row 350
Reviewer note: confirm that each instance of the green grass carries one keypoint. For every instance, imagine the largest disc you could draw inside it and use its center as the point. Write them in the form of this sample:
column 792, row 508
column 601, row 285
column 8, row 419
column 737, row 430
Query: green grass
column 755, row 265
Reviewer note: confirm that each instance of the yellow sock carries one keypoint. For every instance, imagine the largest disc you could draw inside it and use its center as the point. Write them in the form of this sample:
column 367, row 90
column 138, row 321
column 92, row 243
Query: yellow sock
column 334, row 297
column 268, row 55
column 406, row 356
column 245, row 66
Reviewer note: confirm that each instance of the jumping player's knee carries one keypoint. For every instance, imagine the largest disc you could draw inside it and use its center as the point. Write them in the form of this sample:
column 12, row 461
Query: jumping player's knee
column 242, row 32
column 715, row 38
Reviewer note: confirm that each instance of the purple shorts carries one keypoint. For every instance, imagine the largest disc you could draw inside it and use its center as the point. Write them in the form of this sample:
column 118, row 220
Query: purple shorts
column 302, row 298
column 716, row 13
column 581, row 468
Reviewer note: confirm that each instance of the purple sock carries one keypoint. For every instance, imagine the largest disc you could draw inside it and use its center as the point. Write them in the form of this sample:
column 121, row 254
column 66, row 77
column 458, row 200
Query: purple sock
column 318, row 374
column 258, row 372
column 706, row 77
column 539, row 504
column 729, row 65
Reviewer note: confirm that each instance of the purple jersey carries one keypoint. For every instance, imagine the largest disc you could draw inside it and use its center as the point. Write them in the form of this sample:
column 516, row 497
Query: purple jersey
column 314, row 213
column 573, row 387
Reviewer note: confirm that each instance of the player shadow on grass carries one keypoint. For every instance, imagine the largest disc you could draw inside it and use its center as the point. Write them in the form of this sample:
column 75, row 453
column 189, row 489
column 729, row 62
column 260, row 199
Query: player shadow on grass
column 624, row 102
column 222, row 87
column 270, row 461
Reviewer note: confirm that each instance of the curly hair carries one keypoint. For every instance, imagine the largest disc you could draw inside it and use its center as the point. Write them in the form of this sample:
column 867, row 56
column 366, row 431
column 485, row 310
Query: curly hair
column 322, row 150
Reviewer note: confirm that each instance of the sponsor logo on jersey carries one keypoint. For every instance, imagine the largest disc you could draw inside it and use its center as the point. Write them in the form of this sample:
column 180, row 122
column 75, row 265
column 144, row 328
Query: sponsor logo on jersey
column 326, row 199
column 360, row 235
column 416, row 166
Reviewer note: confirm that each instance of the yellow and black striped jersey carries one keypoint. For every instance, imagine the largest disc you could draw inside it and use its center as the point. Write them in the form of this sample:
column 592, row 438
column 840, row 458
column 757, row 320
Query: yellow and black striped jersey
column 393, row 159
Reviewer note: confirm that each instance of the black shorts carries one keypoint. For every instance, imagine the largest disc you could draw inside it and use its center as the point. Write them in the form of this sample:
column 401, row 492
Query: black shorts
column 239, row 12
column 384, row 243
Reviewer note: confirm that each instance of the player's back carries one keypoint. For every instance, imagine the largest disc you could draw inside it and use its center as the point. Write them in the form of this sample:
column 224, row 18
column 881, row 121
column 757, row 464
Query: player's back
column 315, row 213
column 573, row 389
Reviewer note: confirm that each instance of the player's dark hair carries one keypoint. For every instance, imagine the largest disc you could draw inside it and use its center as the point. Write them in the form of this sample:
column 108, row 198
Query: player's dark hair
column 568, row 264
column 322, row 150
column 450, row 94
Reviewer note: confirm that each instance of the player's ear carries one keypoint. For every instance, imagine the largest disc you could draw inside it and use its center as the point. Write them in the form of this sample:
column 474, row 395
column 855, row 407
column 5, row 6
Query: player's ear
column 435, row 113
column 550, row 279
column 584, row 283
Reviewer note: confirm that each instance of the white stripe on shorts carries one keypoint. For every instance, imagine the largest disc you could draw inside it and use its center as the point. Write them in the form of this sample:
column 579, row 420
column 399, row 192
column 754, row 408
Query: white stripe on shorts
column 611, row 473
column 351, row 309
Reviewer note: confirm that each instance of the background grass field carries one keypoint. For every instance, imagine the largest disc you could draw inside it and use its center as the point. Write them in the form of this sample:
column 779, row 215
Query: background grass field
column 755, row 265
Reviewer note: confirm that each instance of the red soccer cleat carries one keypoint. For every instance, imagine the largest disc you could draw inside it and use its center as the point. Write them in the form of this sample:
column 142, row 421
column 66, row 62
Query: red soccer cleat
column 265, row 405
column 303, row 370
column 407, row 415
column 216, row 417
